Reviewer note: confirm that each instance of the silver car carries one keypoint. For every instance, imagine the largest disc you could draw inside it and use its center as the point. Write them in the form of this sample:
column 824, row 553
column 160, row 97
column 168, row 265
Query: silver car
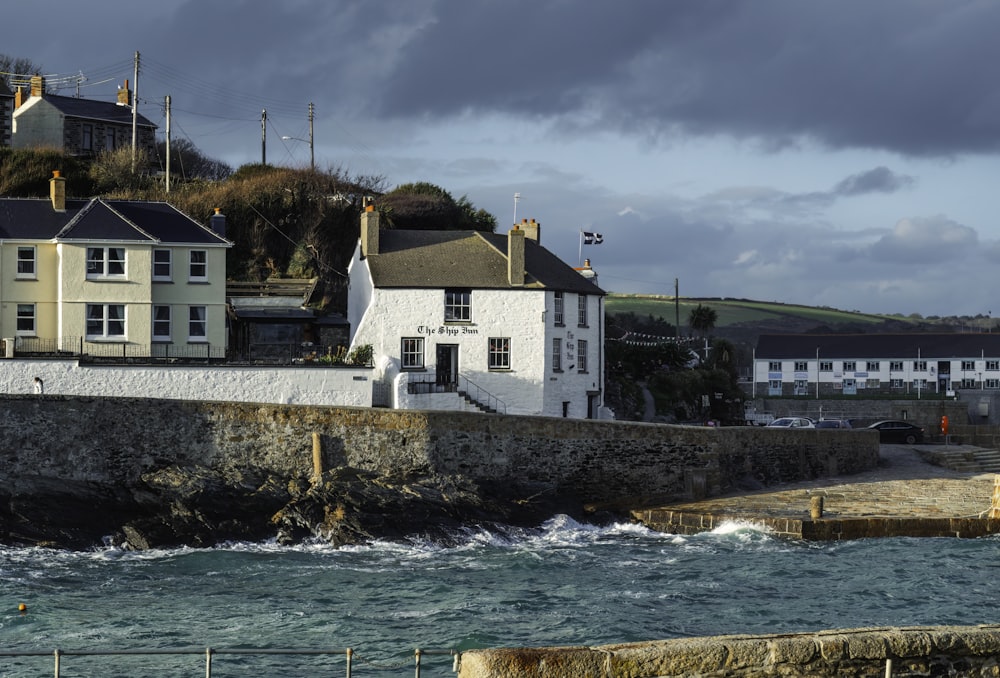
column 792, row 422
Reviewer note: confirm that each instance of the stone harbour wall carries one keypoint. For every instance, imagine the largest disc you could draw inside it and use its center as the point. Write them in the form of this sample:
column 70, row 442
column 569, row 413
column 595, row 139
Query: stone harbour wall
column 968, row 651
column 119, row 439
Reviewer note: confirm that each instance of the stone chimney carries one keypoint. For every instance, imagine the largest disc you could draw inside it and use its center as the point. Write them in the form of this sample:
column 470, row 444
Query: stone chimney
column 532, row 229
column 124, row 95
column 217, row 222
column 18, row 98
column 369, row 229
column 37, row 86
column 515, row 257
column 57, row 191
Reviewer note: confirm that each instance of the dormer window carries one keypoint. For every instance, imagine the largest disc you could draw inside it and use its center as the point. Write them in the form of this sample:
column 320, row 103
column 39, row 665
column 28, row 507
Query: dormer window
column 105, row 262
column 458, row 305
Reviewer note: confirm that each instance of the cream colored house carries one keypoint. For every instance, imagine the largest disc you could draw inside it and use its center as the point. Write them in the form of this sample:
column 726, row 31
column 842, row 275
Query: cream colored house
column 110, row 278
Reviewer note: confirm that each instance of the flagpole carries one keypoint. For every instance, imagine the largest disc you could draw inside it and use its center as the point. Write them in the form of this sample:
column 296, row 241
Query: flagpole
column 579, row 255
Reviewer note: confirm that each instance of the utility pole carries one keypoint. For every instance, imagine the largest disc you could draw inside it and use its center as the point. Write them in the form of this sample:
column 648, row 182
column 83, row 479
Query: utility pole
column 677, row 310
column 135, row 114
column 312, row 156
column 168, row 142
column 263, row 137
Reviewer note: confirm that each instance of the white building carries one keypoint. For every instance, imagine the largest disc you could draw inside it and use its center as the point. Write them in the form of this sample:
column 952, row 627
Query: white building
column 468, row 319
column 869, row 364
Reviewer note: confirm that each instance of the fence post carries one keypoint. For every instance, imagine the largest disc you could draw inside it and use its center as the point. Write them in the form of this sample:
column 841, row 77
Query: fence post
column 208, row 662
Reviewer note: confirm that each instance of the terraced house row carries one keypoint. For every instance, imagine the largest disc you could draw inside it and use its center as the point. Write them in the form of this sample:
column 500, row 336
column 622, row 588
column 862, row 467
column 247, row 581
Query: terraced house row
column 110, row 277
column 871, row 364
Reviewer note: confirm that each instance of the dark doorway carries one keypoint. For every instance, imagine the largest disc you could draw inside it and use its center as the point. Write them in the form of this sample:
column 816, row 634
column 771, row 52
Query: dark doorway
column 447, row 365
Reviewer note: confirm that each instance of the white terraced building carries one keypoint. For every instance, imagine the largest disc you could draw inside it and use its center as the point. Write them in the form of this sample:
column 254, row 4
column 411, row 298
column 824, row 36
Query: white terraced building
column 868, row 364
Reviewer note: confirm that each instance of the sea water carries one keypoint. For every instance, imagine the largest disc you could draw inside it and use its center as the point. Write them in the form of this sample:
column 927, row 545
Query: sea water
column 563, row 584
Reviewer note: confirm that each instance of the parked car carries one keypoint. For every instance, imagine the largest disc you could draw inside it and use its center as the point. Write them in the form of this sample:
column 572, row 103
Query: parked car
column 898, row 432
column 833, row 423
column 792, row 422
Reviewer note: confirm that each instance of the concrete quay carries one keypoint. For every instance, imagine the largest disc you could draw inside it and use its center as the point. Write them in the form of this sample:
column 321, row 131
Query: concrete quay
column 916, row 491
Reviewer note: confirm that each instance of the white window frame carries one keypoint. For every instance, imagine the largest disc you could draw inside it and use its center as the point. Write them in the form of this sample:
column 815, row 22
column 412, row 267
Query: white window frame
column 26, row 312
column 101, row 261
column 992, row 383
column 774, row 366
column 458, row 305
column 873, row 366
column 499, row 353
column 159, row 322
column 109, row 325
column 826, row 366
column 992, row 365
column 801, row 366
column 556, row 354
column 197, row 324
column 169, row 264
column 411, row 353
column 198, row 270
column 24, row 263
column 558, row 309
column 581, row 310
column 919, row 365
column 850, row 366
column 968, row 365
column 895, row 365
column 581, row 355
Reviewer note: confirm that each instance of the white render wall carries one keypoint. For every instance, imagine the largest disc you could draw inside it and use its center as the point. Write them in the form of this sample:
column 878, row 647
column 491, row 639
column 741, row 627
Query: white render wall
column 334, row 386
column 517, row 314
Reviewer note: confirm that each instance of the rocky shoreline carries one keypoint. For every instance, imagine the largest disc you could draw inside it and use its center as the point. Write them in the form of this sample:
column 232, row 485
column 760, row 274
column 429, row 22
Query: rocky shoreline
column 200, row 507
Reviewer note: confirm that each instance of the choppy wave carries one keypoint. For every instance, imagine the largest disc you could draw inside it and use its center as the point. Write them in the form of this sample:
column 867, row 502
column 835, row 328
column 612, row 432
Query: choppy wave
column 562, row 583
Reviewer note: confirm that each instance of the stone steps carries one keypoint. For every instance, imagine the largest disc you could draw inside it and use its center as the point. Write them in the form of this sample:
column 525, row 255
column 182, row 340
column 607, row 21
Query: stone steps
column 967, row 461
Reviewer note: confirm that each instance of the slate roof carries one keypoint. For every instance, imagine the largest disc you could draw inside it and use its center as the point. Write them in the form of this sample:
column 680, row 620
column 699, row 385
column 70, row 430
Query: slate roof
column 877, row 346
column 96, row 220
column 96, row 110
column 473, row 259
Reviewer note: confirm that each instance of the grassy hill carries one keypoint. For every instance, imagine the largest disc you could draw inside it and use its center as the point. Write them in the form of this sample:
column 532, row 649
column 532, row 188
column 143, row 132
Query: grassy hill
column 743, row 320
column 738, row 311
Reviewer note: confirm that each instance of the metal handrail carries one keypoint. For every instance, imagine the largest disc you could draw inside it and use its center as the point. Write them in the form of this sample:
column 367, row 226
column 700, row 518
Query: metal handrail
column 210, row 652
column 491, row 401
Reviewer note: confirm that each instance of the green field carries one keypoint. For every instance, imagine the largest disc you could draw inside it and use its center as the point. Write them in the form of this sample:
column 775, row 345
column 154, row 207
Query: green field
column 733, row 311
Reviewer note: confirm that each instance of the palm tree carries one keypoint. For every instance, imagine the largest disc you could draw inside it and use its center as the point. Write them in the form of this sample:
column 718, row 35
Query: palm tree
column 702, row 319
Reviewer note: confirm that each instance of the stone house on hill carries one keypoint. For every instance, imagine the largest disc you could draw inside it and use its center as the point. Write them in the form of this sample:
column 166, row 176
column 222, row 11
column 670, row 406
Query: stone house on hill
column 110, row 278
column 79, row 127
column 470, row 319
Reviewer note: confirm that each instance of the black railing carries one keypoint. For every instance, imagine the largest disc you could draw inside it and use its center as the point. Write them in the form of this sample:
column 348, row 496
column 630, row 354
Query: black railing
column 420, row 384
column 128, row 352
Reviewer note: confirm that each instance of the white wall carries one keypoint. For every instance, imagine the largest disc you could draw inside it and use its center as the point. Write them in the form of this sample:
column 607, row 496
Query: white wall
column 343, row 386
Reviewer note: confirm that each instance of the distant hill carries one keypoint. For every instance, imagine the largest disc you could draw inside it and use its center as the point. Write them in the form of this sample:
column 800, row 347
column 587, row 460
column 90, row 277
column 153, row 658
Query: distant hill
column 743, row 320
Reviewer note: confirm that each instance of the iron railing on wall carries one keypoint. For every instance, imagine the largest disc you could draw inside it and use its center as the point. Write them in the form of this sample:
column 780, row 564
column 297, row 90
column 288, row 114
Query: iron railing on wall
column 209, row 653
column 420, row 384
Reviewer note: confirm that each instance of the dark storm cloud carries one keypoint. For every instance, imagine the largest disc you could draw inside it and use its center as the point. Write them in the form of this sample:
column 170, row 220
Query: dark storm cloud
column 878, row 180
column 912, row 76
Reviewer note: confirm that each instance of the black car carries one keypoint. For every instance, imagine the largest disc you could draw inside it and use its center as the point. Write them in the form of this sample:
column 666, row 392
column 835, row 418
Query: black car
column 898, row 432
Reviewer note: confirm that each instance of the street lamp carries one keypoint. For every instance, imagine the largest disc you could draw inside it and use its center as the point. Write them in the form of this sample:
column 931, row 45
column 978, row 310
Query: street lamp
column 312, row 161
column 312, row 156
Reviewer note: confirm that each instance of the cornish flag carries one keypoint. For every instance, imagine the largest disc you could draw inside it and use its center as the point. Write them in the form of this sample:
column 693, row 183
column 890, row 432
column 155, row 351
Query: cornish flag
column 592, row 238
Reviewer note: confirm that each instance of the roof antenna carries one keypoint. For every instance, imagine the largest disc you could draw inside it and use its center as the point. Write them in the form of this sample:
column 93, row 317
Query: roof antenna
column 517, row 196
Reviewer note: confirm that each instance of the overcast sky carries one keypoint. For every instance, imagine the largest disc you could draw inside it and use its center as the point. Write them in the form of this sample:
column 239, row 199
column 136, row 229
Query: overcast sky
column 830, row 152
